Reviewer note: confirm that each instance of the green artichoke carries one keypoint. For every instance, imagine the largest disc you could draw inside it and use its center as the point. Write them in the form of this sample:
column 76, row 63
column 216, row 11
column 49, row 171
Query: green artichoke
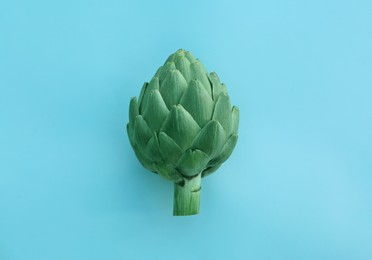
column 183, row 127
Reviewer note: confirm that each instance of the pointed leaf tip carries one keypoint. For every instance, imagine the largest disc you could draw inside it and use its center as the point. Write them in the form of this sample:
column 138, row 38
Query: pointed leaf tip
column 154, row 110
column 179, row 53
column 152, row 150
column 217, row 86
column 210, row 139
column 198, row 102
column 198, row 72
column 133, row 110
column 180, row 126
column 226, row 151
column 153, row 84
column 141, row 132
column 235, row 119
column 143, row 90
column 183, row 65
column 192, row 162
column 190, row 57
column 222, row 112
column 168, row 66
column 172, row 88
column 170, row 151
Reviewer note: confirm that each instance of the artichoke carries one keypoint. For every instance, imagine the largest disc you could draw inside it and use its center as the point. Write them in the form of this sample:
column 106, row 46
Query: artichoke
column 183, row 127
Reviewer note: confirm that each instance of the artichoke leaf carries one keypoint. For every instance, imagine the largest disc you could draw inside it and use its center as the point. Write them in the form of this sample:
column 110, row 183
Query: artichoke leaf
column 210, row 170
column 169, row 172
column 235, row 119
column 190, row 57
column 169, row 150
column 171, row 58
column 222, row 112
column 180, row 126
column 183, row 65
column 192, row 162
column 154, row 110
column 157, row 73
column 226, row 151
column 141, row 132
column 198, row 102
column 133, row 110
column 143, row 90
column 198, row 72
column 168, row 66
column 210, row 139
column 145, row 162
column 217, row 87
column 130, row 134
column 172, row 88
column 152, row 150
column 153, row 85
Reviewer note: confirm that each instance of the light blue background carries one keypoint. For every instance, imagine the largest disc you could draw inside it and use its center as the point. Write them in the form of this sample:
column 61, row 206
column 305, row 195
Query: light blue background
column 298, row 185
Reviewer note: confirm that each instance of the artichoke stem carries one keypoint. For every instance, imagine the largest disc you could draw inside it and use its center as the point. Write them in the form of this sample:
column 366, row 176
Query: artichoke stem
column 187, row 197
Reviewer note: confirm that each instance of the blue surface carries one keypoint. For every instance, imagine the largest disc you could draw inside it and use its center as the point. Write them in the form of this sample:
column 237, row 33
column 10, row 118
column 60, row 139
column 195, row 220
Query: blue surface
column 298, row 185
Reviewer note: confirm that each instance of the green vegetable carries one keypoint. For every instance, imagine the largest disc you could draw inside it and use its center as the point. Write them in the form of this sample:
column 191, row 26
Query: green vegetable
column 183, row 127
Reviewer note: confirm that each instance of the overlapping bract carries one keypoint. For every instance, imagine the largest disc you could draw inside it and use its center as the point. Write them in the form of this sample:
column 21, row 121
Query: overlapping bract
column 183, row 123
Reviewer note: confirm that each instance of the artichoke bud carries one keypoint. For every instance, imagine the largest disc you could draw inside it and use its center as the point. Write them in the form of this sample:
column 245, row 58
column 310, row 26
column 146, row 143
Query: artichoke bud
column 183, row 126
